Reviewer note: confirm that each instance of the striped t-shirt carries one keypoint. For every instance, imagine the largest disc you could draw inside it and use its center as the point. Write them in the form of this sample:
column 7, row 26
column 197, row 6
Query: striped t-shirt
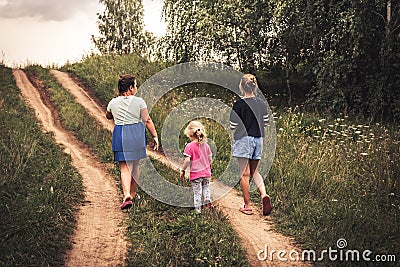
column 249, row 117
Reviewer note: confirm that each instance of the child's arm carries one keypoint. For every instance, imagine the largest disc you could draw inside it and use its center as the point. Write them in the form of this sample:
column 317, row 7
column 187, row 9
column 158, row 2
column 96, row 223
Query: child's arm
column 210, row 160
column 186, row 164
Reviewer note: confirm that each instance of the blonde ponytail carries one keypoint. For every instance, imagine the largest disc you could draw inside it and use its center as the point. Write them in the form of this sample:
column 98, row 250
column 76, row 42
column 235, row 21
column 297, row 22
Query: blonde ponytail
column 248, row 83
column 196, row 130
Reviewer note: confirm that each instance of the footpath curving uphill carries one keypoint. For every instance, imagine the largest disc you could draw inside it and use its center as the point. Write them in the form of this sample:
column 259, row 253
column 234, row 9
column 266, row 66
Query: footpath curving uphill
column 99, row 239
column 257, row 232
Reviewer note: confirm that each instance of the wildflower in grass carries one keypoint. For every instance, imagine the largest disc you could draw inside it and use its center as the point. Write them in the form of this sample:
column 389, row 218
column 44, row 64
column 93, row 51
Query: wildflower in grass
column 364, row 154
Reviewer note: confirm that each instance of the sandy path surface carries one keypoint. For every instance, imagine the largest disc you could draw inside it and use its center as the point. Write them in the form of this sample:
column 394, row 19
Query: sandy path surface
column 256, row 231
column 99, row 239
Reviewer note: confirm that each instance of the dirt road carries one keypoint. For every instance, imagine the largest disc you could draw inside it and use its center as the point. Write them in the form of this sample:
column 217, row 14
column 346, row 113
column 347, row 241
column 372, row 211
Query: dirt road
column 99, row 239
column 256, row 231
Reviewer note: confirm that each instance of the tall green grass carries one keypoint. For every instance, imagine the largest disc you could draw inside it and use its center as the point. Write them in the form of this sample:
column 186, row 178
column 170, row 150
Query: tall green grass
column 332, row 178
column 39, row 188
column 161, row 235
column 101, row 73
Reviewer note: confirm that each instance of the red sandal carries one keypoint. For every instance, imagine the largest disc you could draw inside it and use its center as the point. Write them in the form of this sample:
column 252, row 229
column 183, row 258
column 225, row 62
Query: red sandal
column 245, row 210
column 126, row 204
column 266, row 205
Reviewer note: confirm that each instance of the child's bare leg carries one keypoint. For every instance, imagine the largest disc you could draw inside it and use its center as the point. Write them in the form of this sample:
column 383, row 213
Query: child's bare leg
column 245, row 180
column 257, row 178
column 125, row 179
column 259, row 181
column 135, row 177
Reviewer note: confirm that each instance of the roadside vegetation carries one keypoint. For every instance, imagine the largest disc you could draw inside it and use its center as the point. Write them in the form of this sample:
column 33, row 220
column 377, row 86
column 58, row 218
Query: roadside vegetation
column 161, row 235
column 332, row 178
column 40, row 190
column 336, row 178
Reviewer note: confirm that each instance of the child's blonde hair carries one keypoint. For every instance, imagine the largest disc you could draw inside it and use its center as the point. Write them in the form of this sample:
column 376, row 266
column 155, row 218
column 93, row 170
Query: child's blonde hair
column 196, row 130
column 248, row 83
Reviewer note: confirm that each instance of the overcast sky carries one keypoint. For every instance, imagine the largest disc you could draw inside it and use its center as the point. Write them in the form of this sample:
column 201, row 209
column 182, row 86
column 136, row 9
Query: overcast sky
column 56, row 31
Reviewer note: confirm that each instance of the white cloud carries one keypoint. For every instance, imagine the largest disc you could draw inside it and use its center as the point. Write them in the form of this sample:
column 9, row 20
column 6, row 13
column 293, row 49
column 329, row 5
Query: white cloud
column 57, row 10
column 55, row 31
column 26, row 40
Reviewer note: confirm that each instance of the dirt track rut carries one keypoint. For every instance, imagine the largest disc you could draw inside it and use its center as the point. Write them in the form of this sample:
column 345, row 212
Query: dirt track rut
column 99, row 239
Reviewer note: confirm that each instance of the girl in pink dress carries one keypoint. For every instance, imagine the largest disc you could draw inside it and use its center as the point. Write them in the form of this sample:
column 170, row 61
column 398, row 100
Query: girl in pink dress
column 199, row 156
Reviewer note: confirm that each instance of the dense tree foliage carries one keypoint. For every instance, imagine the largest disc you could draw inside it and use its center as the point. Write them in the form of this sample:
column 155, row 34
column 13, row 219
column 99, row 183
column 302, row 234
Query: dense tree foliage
column 121, row 28
column 220, row 30
column 347, row 53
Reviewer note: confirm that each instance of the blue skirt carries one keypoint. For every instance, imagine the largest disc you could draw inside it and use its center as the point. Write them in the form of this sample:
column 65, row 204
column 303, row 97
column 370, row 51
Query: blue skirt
column 129, row 142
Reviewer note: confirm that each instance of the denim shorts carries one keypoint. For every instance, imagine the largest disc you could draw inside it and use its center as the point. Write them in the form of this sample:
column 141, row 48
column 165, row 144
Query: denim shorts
column 248, row 147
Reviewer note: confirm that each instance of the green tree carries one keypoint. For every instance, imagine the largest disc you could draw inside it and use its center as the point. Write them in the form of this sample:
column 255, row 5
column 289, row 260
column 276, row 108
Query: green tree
column 295, row 45
column 358, row 69
column 121, row 28
column 231, row 31
column 346, row 54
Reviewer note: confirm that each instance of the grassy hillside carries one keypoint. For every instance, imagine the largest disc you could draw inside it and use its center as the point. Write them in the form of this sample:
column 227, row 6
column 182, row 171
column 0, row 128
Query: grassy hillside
column 101, row 73
column 332, row 177
column 336, row 179
column 39, row 188
column 161, row 235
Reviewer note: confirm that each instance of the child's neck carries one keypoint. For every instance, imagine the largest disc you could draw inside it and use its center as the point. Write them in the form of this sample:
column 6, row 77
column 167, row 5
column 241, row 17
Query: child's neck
column 248, row 95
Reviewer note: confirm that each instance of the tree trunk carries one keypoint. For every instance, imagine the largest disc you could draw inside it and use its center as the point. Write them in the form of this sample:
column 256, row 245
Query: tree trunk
column 250, row 51
column 289, row 90
column 388, row 16
column 315, row 40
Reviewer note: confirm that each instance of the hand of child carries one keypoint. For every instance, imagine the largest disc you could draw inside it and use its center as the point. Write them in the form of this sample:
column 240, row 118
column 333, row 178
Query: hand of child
column 155, row 142
column 182, row 174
